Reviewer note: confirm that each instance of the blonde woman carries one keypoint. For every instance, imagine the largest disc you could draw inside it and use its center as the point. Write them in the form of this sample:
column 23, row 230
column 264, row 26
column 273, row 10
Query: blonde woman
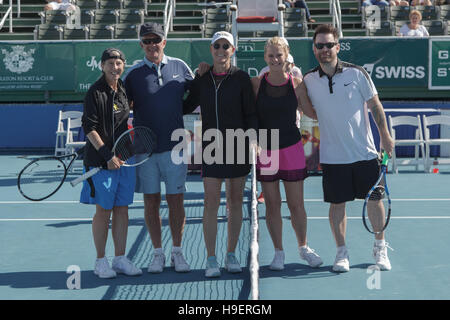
column 278, row 94
column 414, row 28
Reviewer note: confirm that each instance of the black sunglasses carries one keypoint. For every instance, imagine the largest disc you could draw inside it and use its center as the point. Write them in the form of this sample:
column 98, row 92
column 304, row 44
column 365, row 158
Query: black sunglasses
column 151, row 40
column 225, row 46
column 329, row 45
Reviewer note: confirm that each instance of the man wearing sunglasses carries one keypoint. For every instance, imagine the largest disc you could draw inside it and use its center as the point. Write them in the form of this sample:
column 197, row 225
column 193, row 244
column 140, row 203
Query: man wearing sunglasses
column 341, row 94
column 156, row 87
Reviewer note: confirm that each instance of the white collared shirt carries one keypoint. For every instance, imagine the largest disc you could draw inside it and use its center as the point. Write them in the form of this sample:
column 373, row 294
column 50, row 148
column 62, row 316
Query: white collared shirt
column 340, row 104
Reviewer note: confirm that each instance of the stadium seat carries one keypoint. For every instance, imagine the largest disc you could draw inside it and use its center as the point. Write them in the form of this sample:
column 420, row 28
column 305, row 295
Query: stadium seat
column 87, row 4
column 399, row 13
column 417, row 141
column 445, row 12
column 435, row 27
column 75, row 34
column 210, row 28
column 134, row 4
column 110, row 4
column 295, row 29
column 440, row 120
column 385, row 29
column 53, row 16
column 428, row 12
column 130, row 16
column 219, row 15
column 257, row 15
column 100, row 31
column 126, row 31
column 295, row 15
column 104, row 16
column 48, row 32
column 374, row 14
column 398, row 24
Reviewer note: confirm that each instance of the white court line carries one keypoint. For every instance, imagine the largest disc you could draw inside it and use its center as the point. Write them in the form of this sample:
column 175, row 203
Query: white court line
column 309, row 218
column 201, row 201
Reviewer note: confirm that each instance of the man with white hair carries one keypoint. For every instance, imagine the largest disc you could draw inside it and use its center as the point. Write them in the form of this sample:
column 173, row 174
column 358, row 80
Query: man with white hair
column 156, row 87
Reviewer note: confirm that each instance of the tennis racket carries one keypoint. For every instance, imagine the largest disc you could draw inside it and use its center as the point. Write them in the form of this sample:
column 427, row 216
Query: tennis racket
column 134, row 146
column 42, row 177
column 379, row 191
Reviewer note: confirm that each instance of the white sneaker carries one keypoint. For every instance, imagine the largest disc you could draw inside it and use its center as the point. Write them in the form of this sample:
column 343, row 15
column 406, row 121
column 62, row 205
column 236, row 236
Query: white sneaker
column 381, row 257
column 278, row 261
column 103, row 270
column 158, row 263
column 313, row 259
column 122, row 264
column 232, row 264
column 177, row 260
column 212, row 268
column 341, row 264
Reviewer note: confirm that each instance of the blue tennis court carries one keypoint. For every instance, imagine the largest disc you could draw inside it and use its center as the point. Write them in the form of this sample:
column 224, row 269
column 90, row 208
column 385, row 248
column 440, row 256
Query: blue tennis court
column 46, row 243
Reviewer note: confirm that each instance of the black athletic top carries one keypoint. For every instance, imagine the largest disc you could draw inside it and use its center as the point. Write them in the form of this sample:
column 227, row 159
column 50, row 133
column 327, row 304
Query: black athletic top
column 105, row 111
column 276, row 108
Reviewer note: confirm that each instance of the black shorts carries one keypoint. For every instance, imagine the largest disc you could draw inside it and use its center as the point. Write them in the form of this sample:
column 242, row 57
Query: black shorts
column 347, row 182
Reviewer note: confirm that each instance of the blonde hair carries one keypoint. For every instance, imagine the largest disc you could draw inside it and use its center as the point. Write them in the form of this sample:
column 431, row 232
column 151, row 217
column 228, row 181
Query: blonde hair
column 279, row 42
column 415, row 12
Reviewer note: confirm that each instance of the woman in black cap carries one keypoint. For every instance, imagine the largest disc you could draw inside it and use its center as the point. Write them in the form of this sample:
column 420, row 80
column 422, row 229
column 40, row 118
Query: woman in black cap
column 105, row 117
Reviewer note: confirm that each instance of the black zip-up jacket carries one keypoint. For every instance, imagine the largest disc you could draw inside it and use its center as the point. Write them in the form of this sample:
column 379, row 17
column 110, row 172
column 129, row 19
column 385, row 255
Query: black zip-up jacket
column 230, row 106
column 98, row 115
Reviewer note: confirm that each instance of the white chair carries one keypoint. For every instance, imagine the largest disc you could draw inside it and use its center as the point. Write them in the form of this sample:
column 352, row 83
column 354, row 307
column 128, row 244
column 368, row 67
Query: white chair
column 430, row 121
column 73, row 129
column 71, row 144
column 257, row 15
column 417, row 141
column 61, row 129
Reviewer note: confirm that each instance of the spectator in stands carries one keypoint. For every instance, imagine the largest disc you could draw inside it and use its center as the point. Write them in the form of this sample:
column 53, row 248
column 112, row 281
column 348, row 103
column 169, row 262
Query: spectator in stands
column 380, row 3
column 394, row 3
column 421, row 3
column 300, row 4
column 111, row 190
column 414, row 28
column 156, row 87
column 59, row 5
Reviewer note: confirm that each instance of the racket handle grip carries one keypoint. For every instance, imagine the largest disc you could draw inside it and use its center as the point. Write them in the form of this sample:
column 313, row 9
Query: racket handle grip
column 385, row 159
column 85, row 176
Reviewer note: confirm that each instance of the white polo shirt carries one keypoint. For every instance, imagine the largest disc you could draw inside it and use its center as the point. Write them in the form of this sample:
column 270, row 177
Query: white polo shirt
column 340, row 104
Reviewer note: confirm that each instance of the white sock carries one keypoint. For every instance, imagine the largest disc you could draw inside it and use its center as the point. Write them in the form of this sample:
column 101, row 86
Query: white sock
column 380, row 243
column 176, row 249
column 341, row 249
column 303, row 247
column 159, row 251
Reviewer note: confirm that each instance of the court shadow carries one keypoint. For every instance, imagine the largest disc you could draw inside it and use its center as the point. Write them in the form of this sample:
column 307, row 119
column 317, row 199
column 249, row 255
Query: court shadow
column 296, row 271
column 140, row 222
column 8, row 182
column 58, row 280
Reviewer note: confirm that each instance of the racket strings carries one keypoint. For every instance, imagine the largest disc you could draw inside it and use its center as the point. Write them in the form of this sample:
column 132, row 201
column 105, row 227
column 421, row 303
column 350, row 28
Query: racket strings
column 41, row 178
column 136, row 142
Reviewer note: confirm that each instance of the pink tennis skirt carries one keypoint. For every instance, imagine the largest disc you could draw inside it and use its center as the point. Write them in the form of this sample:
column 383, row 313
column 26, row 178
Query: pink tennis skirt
column 287, row 164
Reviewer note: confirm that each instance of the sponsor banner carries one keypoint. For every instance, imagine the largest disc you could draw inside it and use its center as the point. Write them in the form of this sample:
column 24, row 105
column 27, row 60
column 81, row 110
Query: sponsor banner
column 88, row 58
column 32, row 66
column 389, row 62
column 74, row 66
column 439, row 71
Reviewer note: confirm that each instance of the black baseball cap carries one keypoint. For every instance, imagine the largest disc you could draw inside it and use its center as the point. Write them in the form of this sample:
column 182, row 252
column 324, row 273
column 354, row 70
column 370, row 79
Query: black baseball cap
column 151, row 27
column 112, row 53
